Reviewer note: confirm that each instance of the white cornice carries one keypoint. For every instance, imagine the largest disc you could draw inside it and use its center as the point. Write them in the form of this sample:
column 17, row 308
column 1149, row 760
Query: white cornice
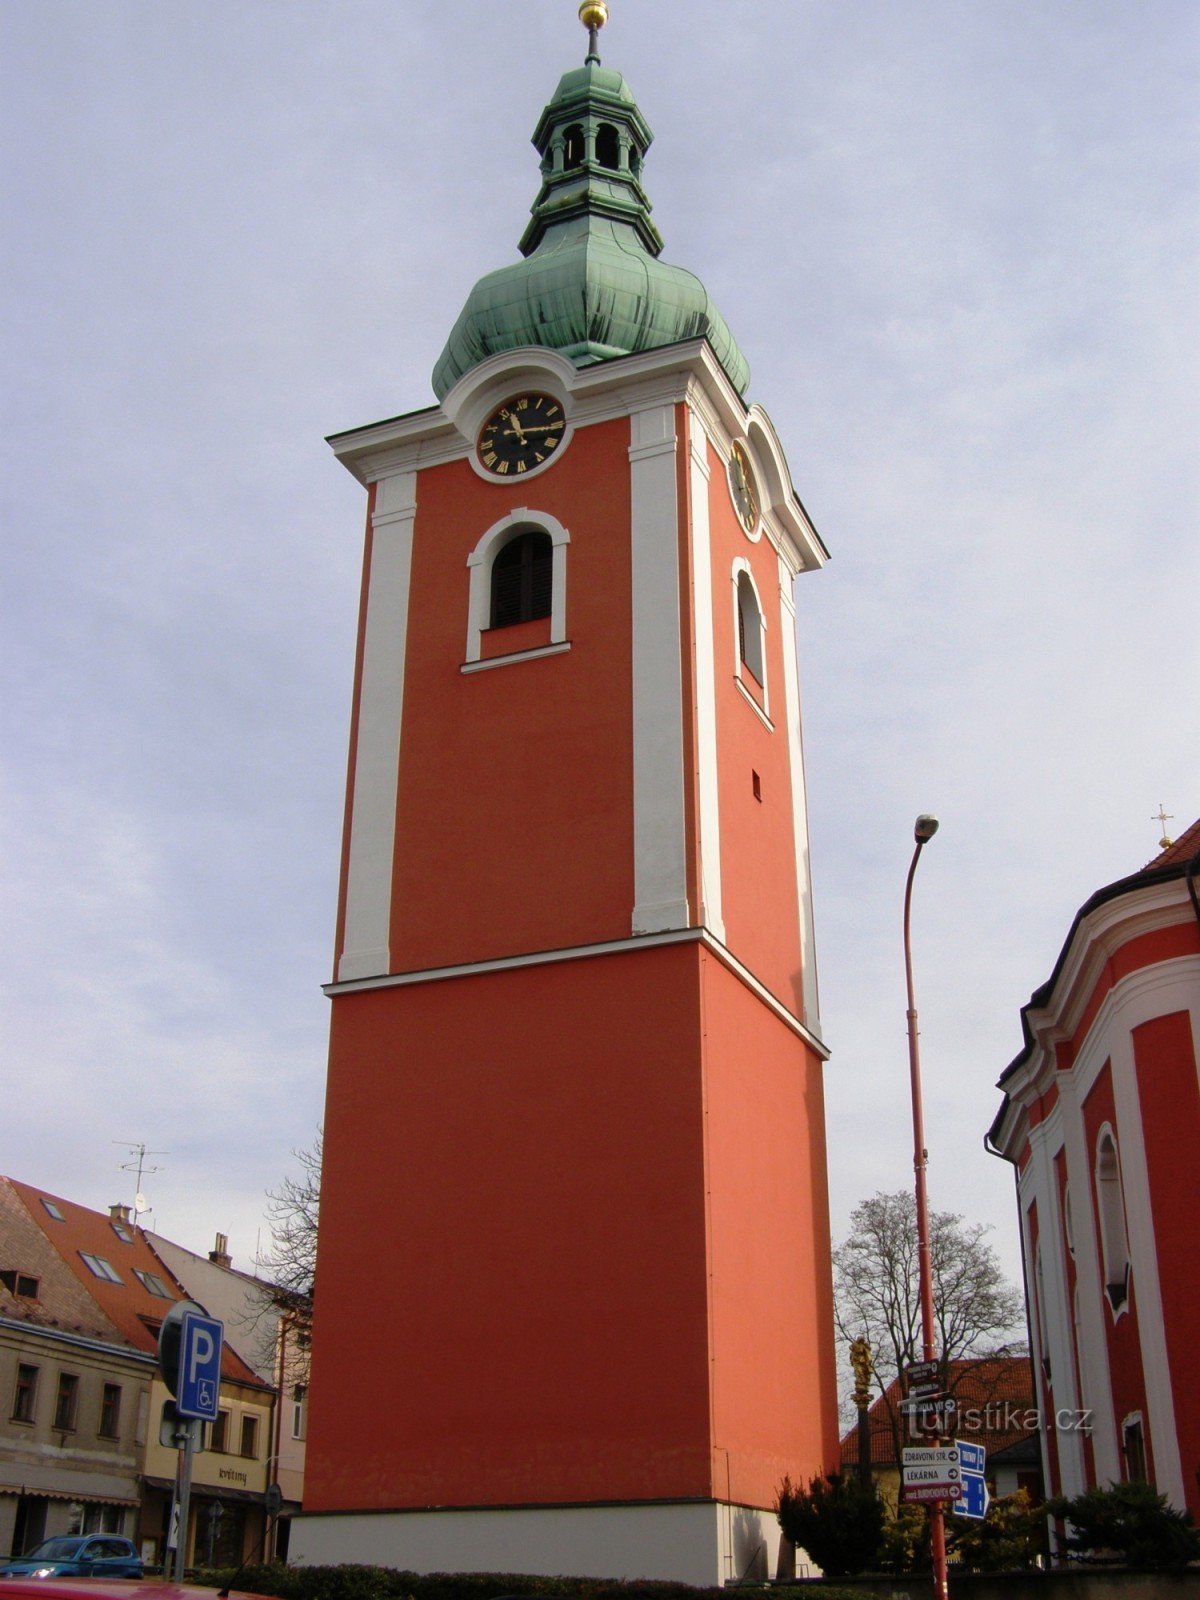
column 609, row 389
column 1093, row 943
column 582, row 952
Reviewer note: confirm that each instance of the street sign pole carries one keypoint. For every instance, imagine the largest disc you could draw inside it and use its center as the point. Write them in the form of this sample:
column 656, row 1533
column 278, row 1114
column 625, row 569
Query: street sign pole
column 186, row 1457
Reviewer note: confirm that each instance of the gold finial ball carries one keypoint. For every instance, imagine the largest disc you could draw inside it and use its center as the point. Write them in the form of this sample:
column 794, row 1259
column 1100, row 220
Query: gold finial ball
column 593, row 13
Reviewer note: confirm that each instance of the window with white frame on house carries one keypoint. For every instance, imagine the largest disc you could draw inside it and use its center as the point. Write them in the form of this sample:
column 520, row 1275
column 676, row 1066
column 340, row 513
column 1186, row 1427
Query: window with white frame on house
column 100, row 1268
column 299, row 1397
column 1110, row 1205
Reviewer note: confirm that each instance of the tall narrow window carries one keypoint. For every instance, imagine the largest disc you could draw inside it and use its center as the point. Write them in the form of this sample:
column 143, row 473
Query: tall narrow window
column 1110, row 1203
column 65, row 1404
column 750, row 629
column 24, row 1394
column 217, row 1433
column 608, row 146
column 1134, row 1448
column 523, row 579
column 299, row 1396
column 249, row 1435
column 110, row 1411
column 573, row 149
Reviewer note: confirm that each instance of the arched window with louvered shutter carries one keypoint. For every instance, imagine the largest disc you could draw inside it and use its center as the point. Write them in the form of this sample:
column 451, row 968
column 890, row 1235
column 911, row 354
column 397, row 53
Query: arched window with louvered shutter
column 523, row 579
column 517, row 602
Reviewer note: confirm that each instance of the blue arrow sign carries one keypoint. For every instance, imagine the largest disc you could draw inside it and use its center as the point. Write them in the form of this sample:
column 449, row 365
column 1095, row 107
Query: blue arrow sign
column 971, row 1457
column 973, row 1502
column 200, row 1366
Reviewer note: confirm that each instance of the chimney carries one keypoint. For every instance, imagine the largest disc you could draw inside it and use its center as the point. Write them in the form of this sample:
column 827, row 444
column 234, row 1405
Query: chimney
column 219, row 1255
column 120, row 1213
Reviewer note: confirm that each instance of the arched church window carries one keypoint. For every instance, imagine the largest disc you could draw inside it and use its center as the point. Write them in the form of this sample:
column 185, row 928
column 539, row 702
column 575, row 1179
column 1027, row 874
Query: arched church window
column 523, row 579
column 608, row 147
column 750, row 628
column 1110, row 1204
column 573, row 147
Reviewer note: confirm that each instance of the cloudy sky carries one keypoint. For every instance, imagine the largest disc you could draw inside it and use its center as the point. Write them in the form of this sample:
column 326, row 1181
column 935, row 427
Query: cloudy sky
column 957, row 243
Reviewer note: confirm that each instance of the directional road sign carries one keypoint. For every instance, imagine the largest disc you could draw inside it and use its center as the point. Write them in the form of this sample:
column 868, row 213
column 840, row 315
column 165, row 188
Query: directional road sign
column 930, row 1491
column 200, row 1366
column 972, row 1460
column 974, row 1501
column 918, row 1372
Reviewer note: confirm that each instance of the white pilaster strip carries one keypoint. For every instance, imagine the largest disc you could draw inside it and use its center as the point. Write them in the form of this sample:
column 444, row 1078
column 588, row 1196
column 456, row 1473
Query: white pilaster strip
column 1052, row 1306
column 659, row 847
column 709, row 912
column 1143, row 1248
column 791, row 699
column 377, row 750
column 1095, row 1379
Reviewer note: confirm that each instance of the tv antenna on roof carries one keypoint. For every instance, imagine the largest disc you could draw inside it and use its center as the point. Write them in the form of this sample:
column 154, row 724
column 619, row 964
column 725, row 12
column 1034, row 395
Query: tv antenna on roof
column 139, row 1166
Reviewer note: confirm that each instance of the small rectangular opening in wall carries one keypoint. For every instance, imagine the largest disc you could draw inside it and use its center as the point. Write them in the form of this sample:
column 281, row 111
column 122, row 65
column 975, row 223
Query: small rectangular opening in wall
column 757, row 782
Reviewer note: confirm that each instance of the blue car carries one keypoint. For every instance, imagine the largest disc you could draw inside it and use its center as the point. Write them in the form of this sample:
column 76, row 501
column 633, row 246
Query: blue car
column 89, row 1555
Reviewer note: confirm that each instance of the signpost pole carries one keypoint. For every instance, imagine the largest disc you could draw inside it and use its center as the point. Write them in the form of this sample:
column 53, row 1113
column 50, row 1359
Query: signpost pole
column 185, row 1495
column 924, row 830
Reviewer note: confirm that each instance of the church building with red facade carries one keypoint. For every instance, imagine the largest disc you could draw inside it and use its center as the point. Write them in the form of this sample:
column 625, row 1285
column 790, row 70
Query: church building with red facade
column 1101, row 1120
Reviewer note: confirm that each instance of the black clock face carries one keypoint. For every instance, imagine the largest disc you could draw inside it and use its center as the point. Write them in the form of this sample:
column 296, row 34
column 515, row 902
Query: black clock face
column 523, row 433
column 743, row 488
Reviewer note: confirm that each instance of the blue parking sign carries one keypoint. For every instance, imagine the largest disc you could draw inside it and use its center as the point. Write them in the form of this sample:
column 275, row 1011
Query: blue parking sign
column 200, row 1366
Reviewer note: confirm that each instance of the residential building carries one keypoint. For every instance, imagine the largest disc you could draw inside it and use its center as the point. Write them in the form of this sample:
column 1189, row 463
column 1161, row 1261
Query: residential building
column 272, row 1334
column 1101, row 1121
column 108, row 1290
column 575, row 1096
column 74, row 1395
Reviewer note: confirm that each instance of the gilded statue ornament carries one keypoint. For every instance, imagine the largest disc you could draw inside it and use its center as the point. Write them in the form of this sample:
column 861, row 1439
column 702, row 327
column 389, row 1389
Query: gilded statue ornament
column 860, row 1360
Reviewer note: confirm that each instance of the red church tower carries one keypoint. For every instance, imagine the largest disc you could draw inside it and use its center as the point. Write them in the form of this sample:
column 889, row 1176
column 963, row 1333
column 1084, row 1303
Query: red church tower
column 574, row 1310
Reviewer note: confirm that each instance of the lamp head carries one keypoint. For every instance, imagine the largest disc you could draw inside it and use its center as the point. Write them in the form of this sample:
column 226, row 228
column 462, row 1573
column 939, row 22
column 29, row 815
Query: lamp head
column 925, row 828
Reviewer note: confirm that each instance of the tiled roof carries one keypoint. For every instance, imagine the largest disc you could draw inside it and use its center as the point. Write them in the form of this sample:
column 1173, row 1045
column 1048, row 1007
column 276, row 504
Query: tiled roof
column 61, row 1302
column 1183, row 849
column 127, row 1304
column 996, row 1409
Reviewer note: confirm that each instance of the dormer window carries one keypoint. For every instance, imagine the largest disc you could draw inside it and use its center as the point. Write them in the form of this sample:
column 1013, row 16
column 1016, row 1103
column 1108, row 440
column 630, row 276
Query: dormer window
column 523, row 579
column 52, row 1210
column 20, row 1284
column 608, row 147
column 573, row 147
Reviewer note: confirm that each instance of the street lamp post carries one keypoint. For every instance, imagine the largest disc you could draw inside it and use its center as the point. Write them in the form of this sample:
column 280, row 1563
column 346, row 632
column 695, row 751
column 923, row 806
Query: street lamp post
column 923, row 831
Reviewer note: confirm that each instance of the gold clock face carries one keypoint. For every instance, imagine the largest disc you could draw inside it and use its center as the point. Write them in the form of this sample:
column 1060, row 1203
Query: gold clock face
column 743, row 488
column 521, row 434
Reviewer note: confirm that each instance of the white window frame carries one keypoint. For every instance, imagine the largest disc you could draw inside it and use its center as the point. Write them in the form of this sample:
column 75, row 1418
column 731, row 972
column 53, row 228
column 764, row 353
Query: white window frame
column 479, row 567
column 1114, row 1227
column 741, row 568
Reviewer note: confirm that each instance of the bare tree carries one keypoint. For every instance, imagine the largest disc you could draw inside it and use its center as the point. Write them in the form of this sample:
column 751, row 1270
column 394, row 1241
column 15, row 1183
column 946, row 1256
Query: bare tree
column 292, row 1211
column 977, row 1311
column 289, row 1266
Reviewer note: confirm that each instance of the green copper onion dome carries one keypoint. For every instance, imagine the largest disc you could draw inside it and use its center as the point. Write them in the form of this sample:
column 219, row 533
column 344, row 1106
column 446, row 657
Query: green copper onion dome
column 591, row 284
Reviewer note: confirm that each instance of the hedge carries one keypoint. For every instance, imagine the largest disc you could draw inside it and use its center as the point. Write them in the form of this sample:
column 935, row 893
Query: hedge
column 382, row 1583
